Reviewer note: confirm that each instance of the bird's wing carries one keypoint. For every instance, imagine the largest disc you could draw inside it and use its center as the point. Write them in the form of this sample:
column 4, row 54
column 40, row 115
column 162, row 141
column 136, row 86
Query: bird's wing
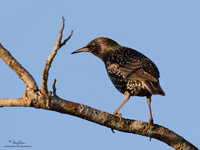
column 143, row 69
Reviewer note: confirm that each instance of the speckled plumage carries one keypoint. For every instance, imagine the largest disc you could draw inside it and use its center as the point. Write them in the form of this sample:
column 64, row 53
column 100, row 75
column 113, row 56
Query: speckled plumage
column 131, row 72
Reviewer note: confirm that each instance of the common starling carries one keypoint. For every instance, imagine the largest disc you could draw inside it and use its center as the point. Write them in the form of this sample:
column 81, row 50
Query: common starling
column 131, row 72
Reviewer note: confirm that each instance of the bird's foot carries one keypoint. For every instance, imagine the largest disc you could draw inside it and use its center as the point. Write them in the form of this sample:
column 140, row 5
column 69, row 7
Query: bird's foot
column 118, row 115
column 151, row 122
column 112, row 130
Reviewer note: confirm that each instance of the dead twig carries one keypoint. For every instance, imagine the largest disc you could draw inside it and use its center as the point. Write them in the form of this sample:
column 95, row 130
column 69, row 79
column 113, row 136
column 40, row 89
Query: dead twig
column 49, row 61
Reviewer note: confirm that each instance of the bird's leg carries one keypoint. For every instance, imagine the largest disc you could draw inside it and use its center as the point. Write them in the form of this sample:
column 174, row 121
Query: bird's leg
column 149, row 103
column 126, row 97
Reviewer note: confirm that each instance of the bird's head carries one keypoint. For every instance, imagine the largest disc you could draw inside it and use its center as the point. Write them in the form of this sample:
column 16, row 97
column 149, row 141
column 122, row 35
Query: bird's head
column 100, row 47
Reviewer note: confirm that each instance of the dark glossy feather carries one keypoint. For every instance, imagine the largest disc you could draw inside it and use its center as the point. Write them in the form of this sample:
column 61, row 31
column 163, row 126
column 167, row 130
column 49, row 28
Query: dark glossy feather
column 130, row 70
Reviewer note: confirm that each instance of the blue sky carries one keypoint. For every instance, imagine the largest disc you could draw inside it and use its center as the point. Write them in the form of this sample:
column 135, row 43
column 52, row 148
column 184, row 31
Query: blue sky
column 166, row 31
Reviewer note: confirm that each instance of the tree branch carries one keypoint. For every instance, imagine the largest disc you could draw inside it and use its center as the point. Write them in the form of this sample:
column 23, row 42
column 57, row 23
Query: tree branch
column 37, row 99
column 124, row 125
column 49, row 61
column 108, row 120
column 17, row 102
column 22, row 73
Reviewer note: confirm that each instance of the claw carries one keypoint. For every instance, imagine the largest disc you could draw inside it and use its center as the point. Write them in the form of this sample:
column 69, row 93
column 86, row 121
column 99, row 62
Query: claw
column 112, row 130
column 151, row 121
column 150, row 124
column 119, row 115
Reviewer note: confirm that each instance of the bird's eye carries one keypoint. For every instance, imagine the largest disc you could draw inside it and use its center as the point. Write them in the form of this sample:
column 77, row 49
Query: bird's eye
column 92, row 46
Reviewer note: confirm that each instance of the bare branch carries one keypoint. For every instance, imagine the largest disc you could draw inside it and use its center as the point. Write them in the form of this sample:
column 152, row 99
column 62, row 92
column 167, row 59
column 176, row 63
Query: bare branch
column 22, row 73
column 49, row 61
column 124, row 125
column 17, row 102
column 108, row 120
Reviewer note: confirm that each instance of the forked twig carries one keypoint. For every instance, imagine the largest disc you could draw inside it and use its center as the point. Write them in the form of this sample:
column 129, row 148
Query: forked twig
column 49, row 61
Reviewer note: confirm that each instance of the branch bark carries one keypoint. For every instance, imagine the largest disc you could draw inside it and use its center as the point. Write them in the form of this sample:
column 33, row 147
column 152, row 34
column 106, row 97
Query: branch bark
column 22, row 73
column 38, row 99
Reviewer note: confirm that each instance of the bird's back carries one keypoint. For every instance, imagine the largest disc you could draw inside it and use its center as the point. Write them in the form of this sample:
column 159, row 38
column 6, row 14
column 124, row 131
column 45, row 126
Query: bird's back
column 130, row 70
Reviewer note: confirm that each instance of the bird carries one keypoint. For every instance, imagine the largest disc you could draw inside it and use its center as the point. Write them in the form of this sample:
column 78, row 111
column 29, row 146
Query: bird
column 131, row 72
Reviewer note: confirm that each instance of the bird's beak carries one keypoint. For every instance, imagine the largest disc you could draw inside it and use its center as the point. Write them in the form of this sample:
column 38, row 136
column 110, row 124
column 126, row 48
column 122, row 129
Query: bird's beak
column 84, row 49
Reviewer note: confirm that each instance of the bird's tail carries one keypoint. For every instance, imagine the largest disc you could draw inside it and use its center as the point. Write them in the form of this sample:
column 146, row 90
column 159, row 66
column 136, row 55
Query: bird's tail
column 154, row 88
